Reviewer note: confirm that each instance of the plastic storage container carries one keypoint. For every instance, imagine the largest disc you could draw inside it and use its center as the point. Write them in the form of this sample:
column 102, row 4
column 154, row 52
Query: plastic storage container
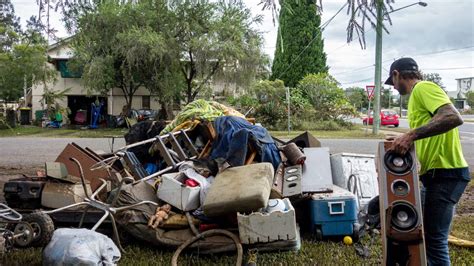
column 356, row 173
column 173, row 191
column 333, row 214
column 262, row 227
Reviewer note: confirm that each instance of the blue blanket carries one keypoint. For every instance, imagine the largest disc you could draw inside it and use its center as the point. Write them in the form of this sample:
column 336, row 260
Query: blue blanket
column 235, row 134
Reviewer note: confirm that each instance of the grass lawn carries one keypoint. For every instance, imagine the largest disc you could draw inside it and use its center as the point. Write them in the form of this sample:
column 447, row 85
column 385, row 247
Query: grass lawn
column 33, row 131
column 30, row 131
column 311, row 253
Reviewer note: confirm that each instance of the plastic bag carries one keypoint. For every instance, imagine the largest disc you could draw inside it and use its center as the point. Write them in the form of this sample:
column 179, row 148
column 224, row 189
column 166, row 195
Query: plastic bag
column 80, row 247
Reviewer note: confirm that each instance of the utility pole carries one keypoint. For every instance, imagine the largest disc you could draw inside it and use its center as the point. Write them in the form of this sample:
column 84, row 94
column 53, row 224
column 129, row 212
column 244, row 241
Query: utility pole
column 288, row 97
column 378, row 67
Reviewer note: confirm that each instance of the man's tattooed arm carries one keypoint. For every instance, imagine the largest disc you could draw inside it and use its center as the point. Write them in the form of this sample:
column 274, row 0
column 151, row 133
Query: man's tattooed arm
column 445, row 119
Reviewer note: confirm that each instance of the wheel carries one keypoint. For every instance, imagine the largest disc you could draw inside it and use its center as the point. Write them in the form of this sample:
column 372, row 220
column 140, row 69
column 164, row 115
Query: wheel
column 43, row 228
column 25, row 232
column 396, row 125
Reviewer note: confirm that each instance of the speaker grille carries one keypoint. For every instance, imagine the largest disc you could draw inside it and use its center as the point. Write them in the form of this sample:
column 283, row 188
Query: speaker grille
column 398, row 164
column 404, row 217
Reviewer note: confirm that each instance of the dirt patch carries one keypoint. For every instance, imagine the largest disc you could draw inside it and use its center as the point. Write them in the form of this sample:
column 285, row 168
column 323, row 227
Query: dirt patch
column 466, row 203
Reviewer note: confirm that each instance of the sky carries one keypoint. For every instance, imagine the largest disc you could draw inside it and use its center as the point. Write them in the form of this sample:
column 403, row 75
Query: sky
column 440, row 37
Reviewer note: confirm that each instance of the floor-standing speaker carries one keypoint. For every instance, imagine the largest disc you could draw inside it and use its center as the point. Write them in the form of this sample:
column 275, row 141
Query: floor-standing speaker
column 400, row 208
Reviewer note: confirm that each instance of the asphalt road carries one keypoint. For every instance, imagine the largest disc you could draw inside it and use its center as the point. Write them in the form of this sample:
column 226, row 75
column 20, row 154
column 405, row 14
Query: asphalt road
column 24, row 152
column 466, row 133
column 466, row 130
column 33, row 152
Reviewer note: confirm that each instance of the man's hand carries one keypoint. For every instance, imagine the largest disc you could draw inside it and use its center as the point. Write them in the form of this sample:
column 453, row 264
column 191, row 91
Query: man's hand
column 403, row 143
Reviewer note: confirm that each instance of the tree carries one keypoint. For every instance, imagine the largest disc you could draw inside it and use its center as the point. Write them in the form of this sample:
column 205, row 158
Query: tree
column 23, row 60
column 216, row 39
column 121, row 46
column 326, row 97
column 360, row 14
column 173, row 48
column 435, row 78
column 9, row 26
column 470, row 99
column 386, row 98
column 357, row 97
column 300, row 46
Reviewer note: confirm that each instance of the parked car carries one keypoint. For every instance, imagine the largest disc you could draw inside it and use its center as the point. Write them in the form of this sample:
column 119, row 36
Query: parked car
column 387, row 117
column 143, row 114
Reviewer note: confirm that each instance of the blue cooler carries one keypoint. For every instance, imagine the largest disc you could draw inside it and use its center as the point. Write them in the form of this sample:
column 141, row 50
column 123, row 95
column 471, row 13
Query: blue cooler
column 333, row 214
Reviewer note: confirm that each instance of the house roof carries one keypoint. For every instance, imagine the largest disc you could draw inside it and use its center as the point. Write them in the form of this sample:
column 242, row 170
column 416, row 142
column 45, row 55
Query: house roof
column 59, row 43
column 60, row 50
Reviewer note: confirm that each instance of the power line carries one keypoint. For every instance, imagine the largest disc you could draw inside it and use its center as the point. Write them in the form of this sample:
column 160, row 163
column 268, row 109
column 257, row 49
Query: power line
column 448, row 50
column 448, row 68
column 357, row 81
column 429, row 53
column 324, row 25
column 431, row 69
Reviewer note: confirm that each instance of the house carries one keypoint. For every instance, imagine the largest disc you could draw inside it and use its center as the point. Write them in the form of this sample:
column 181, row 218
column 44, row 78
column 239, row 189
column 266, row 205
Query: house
column 464, row 85
column 77, row 99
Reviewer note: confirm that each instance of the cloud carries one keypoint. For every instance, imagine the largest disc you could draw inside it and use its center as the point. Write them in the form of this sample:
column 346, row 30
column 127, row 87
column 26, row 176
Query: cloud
column 416, row 31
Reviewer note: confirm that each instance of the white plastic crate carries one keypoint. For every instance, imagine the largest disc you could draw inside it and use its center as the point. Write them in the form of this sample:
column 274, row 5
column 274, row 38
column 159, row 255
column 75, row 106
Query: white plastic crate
column 260, row 227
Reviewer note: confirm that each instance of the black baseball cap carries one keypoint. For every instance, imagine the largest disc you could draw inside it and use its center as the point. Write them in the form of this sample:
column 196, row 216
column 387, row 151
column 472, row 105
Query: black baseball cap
column 401, row 64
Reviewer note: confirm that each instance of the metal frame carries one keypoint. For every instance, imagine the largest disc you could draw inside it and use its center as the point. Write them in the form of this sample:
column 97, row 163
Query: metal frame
column 92, row 202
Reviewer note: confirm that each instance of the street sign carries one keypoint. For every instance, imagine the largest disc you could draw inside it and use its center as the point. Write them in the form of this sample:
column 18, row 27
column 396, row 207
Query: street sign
column 370, row 91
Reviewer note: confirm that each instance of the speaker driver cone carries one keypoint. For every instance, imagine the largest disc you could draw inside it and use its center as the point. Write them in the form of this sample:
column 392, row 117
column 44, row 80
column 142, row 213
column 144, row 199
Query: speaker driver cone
column 397, row 163
column 404, row 217
column 400, row 188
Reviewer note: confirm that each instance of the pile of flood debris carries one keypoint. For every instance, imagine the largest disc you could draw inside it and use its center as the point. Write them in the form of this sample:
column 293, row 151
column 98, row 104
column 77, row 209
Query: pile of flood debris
column 211, row 180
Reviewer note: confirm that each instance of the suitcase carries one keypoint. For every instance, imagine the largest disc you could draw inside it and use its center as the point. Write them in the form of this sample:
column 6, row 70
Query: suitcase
column 24, row 193
column 334, row 214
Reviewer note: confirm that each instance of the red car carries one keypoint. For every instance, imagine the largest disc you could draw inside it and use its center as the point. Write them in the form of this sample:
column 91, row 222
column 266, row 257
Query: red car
column 387, row 117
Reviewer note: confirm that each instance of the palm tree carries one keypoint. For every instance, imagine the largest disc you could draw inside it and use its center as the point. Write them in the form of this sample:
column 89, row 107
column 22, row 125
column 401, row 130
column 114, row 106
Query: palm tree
column 360, row 12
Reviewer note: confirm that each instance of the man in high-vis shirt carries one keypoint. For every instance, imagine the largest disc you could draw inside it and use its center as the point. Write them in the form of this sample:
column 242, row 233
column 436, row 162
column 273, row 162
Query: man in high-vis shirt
column 444, row 173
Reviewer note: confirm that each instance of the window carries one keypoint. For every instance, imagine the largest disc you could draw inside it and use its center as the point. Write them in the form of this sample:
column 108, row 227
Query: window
column 146, row 102
column 65, row 72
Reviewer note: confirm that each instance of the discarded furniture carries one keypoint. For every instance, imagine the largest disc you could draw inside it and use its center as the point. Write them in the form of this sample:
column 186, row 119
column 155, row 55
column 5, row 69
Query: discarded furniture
column 239, row 189
column 91, row 201
column 88, row 159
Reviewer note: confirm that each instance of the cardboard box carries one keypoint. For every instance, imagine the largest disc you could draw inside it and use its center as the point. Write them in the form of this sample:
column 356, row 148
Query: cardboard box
column 173, row 191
